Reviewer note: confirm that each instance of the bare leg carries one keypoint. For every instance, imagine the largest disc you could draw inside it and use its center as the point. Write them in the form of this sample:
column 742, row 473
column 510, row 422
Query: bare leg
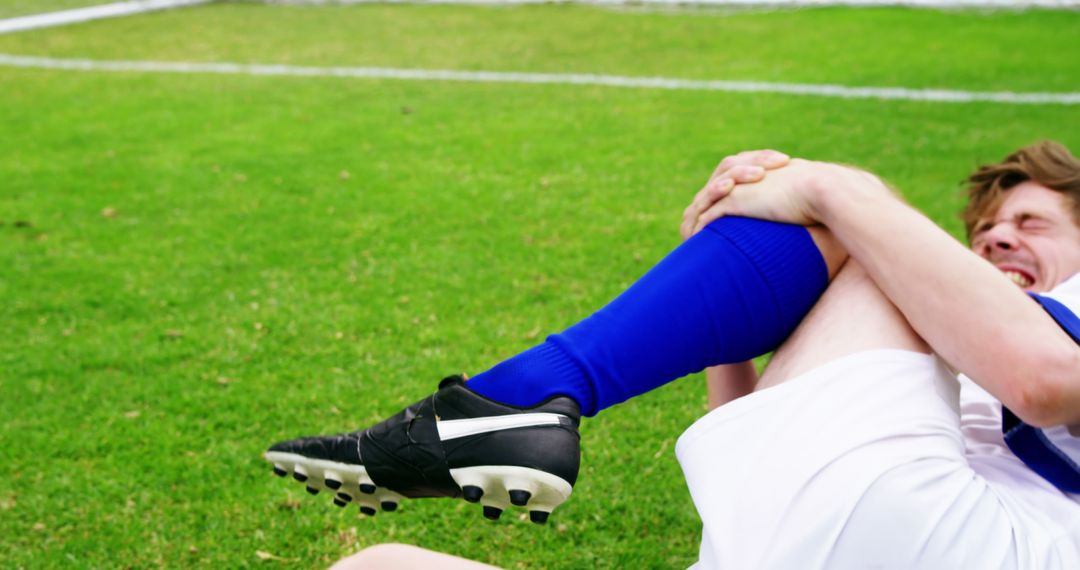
column 405, row 557
column 852, row 316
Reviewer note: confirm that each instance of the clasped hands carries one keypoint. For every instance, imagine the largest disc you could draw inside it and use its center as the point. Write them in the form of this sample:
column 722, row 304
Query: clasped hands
column 770, row 185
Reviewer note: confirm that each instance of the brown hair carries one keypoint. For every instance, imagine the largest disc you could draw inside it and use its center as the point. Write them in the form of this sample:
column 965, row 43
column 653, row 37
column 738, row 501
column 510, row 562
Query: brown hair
column 1047, row 163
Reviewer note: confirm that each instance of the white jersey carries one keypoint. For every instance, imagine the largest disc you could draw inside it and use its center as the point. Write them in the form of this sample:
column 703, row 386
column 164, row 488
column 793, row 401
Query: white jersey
column 981, row 414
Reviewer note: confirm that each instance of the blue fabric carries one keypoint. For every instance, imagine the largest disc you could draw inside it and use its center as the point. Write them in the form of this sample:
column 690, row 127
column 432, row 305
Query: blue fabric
column 1032, row 447
column 1029, row 443
column 734, row 291
column 1064, row 317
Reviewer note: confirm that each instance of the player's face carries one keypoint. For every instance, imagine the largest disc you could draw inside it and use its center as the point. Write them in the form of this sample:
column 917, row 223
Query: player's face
column 1032, row 237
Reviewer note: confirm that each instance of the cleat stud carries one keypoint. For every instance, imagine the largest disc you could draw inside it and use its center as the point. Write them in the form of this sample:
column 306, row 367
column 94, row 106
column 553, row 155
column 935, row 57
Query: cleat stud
column 519, row 497
column 280, row 471
column 344, row 497
column 299, row 476
column 313, row 490
column 333, row 484
column 340, row 503
column 538, row 517
column 388, row 506
column 472, row 493
column 367, row 489
column 368, row 511
column 492, row 513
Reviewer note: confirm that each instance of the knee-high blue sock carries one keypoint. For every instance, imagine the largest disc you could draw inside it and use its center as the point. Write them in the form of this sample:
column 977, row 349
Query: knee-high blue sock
column 734, row 291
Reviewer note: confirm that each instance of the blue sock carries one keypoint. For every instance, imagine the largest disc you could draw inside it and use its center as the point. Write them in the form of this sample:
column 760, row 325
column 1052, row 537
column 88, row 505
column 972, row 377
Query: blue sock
column 732, row 292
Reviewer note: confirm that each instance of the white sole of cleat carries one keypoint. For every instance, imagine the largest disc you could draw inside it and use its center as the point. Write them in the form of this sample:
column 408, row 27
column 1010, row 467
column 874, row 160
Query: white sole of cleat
column 545, row 491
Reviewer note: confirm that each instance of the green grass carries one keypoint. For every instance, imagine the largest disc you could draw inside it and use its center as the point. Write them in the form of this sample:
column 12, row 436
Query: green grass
column 889, row 46
column 13, row 8
column 197, row 266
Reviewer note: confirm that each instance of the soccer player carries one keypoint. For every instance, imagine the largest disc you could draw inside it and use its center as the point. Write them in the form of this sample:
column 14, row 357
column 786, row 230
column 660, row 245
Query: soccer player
column 858, row 446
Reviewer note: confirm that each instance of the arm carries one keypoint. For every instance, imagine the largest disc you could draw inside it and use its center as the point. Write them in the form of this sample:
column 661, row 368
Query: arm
column 729, row 382
column 971, row 315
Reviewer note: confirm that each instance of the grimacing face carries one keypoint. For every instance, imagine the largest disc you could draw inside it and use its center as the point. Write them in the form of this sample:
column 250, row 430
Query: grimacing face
column 1032, row 238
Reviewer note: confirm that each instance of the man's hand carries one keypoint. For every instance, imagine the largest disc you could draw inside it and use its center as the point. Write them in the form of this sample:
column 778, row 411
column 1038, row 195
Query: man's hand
column 768, row 185
column 743, row 168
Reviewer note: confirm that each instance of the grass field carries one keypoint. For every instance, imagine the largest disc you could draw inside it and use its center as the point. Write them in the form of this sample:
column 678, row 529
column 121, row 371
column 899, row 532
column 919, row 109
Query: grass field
column 196, row 266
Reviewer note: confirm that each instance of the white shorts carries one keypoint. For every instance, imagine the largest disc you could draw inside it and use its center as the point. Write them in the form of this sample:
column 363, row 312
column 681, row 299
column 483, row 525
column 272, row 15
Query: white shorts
column 861, row 463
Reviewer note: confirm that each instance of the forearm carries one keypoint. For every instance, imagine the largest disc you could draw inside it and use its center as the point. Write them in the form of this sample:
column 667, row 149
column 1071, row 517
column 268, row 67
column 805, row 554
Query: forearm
column 973, row 317
column 729, row 382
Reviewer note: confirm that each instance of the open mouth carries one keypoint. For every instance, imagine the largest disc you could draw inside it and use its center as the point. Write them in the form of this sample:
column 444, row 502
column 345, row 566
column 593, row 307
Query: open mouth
column 1019, row 277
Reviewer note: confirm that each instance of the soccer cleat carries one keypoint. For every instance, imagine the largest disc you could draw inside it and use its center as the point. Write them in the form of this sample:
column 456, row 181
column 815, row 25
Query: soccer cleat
column 454, row 443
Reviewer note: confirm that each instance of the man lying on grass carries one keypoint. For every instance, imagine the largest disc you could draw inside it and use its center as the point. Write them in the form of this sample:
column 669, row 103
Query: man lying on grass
column 858, row 446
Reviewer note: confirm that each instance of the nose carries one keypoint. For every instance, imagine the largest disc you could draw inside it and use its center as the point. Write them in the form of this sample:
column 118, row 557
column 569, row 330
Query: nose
column 999, row 237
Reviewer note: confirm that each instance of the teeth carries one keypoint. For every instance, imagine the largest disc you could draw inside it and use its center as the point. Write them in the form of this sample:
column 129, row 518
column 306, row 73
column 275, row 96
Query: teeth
column 1018, row 278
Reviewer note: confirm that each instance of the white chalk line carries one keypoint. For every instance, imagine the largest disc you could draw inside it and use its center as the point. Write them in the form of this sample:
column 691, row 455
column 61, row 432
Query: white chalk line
column 79, row 15
column 820, row 90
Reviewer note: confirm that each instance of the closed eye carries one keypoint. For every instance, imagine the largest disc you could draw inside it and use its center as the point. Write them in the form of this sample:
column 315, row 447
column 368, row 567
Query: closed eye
column 1032, row 223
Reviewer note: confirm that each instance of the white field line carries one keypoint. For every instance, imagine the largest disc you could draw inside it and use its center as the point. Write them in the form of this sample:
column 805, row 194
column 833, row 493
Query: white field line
column 92, row 13
column 821, row 90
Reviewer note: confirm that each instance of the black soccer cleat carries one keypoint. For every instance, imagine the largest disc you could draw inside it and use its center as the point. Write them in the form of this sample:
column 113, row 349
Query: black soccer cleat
column 454, row 443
